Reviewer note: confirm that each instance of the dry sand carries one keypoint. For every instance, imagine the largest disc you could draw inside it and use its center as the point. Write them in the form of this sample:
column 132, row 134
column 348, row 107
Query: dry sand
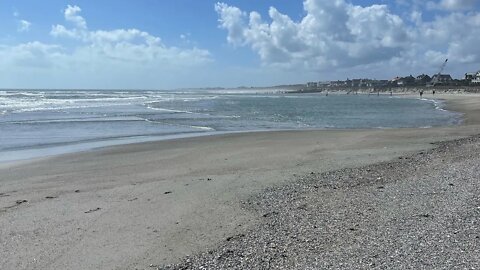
column 420, row 211
column 131, row 206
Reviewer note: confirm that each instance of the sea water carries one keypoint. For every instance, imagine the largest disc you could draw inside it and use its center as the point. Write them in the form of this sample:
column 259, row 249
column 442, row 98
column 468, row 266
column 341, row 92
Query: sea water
column 36, row 123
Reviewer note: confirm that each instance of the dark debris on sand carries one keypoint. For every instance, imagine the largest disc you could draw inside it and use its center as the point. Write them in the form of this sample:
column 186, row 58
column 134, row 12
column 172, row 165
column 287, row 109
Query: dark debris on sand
column 418, row 212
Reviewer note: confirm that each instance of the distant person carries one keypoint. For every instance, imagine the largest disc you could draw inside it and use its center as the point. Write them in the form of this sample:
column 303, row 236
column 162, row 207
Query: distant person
column 421, row 94
column 433, row 92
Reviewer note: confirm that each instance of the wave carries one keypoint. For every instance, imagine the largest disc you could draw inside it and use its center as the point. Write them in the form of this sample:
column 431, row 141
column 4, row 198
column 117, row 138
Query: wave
column 25, row 101
column 65, row 107
column 189, row 112
column 21, row 102
column 94, row 99
column 246, row 91
column 179, row 125
column 438, row 104
column 98, row 139
column 77, row 120
column 32, row 106
column 203, row 128
column 166, row 110
column 21, row 94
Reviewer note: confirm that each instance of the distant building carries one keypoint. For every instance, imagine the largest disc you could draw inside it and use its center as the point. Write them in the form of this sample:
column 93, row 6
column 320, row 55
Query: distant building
column 312, row 85
column 379, row 83
column 470, row 76
column 367, row 83
column 338, row 84
column 406, row 81
column 441, row 79
column 323, row 84
column 423, row 79
column 394, row 81
column 476, row 79
column 348, row 82
column 356, row 83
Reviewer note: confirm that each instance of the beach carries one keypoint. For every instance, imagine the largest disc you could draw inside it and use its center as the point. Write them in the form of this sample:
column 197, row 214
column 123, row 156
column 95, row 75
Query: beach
column 151, row 204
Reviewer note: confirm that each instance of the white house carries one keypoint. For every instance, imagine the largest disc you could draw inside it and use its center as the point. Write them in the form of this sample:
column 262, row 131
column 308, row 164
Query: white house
column 476, row 79
column 312, row 84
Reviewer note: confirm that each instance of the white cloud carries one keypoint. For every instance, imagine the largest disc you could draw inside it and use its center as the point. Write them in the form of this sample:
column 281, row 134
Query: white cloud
column 71, row 15
column 445, row 5
column 338, row 35
column 23, row 26
column 60, row 30
column 232, row 18
column 98, row 58
column 456, row 35
column 333, row 33
column 125, row 44
column 30, row 55
column 452, row 5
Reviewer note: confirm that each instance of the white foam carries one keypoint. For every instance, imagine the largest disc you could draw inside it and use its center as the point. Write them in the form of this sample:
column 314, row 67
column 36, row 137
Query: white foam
column 247, row 91
column 189, row 99
column 72, row 120
column 203, row 128
column 437, row 103
column 27, row 101
column 167, row 110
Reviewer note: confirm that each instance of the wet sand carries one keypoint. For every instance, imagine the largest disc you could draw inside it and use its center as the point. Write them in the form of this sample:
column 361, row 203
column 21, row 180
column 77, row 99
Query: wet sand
column 133, row 206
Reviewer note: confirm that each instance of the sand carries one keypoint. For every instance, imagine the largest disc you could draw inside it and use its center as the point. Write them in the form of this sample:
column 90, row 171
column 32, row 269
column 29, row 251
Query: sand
column 420, row 211
column 137, row 205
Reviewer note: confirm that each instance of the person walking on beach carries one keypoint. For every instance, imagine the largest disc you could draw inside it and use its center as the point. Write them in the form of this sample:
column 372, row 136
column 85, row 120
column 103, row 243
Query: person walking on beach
column 433, row 92
column 421, row 94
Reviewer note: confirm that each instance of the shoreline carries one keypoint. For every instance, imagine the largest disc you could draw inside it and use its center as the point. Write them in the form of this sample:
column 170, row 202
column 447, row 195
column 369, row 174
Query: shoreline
column 11, row 157
column 155, row 203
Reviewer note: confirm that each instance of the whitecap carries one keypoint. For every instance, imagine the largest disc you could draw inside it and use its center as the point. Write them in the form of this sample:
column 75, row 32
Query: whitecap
column 168, row 110
column 203, row 128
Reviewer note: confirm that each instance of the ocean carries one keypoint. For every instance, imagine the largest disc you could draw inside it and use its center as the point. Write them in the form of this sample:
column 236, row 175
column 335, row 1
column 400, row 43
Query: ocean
column 47, row 122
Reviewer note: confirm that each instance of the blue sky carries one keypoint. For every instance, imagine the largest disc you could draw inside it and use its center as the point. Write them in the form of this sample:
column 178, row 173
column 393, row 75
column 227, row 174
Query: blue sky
column 151, row 44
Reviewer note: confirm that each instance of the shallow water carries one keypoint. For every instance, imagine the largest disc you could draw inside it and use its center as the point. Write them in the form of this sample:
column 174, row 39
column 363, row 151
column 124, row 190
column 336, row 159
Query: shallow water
column 46, row 120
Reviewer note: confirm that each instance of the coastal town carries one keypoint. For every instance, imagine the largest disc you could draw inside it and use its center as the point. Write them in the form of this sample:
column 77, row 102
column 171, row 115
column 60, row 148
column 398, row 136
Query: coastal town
column 471, row 79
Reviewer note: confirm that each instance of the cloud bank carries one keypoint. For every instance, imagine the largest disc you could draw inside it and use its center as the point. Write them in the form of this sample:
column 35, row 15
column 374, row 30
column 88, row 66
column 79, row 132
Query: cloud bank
column 127, row 45
column 96, row 58
column 340, row 35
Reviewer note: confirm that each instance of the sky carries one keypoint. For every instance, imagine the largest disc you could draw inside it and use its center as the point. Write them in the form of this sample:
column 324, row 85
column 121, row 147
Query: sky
column 161, row 44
